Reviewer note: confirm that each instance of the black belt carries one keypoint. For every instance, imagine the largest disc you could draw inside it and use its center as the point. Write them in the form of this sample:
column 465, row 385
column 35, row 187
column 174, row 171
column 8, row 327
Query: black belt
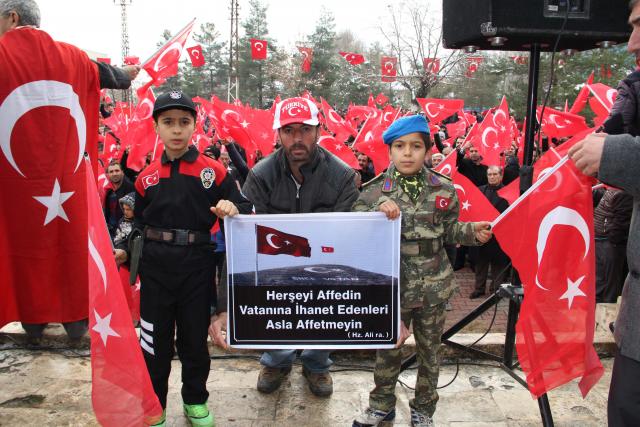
column 177, row 237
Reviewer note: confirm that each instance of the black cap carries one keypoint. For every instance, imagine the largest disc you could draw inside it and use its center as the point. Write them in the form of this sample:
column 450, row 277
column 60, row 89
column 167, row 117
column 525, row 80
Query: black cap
column 171, row 100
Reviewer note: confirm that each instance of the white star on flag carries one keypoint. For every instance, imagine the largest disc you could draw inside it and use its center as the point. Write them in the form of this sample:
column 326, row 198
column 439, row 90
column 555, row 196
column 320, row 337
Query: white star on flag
column 496, row 146
column 54, row 203
column 245, row 123
column 338, row 147
column 573, row 290
column 466, row 205
column 103, row 327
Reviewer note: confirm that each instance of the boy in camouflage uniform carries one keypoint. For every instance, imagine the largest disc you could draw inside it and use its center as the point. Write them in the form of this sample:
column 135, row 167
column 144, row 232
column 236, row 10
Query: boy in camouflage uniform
column 429, row 207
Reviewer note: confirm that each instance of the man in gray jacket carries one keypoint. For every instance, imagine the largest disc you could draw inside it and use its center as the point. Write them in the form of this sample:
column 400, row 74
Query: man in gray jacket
column 299, row 177
column 615, row 159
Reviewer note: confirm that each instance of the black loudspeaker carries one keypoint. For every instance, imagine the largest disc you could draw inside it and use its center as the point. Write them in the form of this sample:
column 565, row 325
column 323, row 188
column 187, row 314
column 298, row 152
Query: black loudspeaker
column 516, row 24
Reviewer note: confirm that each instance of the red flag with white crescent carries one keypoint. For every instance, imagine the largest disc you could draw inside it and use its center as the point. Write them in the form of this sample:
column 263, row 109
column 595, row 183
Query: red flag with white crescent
column 388, row 67
column 352, row 58
column 431, row 65
column 335, row 123
column 258, row 49
column 555, row 258
column 439, row 109
column 49, row 103
column 307, row 58
column 340, row 150
column 164, row 63
column 196, row 56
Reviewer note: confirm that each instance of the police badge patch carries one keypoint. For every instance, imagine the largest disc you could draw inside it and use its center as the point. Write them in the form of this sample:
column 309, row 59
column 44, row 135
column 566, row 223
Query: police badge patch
column 207, row 176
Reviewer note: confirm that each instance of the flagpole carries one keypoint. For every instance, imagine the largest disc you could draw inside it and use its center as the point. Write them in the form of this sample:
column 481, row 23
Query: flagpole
column 167, row 42
column 255, row 227
column 593, row 92
column 361, row 128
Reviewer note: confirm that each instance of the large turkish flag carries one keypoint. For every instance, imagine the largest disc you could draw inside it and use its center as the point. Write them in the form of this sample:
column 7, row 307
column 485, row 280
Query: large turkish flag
column 275, row 242
column 49, row 95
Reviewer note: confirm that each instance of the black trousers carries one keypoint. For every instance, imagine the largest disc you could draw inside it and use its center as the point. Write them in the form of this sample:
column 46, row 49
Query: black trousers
column 611, row 270
column 491, row 255
column 623, row 408
column 171, row 301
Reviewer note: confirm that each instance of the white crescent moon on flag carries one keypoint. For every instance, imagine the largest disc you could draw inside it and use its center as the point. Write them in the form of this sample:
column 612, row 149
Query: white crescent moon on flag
column 426, row 108
column 322, row 270
column 552, row 119
column 388, row 65
column 384, row 116
column 305, row 53
column 174, row 46
column 95, row 255
column 149, row 108
column 258, row 45
column 611, row 95
column 446, row 170
column 561, row 216
column 332, row 116
column 558, row 180
column 484, row 135
column 226, row 113
column 40, row 93
column 458, row 186
column 270, row 242
column 499, row 112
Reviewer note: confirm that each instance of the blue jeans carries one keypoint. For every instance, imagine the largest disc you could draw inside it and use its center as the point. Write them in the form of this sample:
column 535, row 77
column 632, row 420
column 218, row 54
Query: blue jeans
column 316, row 361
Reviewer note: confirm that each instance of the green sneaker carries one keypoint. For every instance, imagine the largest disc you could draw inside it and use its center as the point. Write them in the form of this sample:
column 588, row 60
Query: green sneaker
column 199, row 415
column 162, row 422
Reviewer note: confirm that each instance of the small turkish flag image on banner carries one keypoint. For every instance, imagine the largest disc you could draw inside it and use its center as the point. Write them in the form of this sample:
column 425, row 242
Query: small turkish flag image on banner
column 442, row 202
column 195, row 53
column 258, row 49
column 327, row 249
column 275, row 242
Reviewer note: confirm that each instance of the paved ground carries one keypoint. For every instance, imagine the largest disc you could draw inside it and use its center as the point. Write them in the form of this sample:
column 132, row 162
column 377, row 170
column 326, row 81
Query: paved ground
column 53, row 389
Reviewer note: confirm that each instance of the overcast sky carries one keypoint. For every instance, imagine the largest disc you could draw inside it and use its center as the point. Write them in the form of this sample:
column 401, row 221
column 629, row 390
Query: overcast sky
column 95, row 24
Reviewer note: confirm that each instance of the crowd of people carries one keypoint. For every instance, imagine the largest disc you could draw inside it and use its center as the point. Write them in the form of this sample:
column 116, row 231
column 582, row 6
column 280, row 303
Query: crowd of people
column 175, row 204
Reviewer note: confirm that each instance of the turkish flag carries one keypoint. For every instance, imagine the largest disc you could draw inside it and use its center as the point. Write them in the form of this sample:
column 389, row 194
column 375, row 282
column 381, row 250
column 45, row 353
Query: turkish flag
column 473, row 62
column 336, row 124
column 327, row 249
column 388, row 66
column 583, row 95
column 456, row 129
column 554, row 334
column 431, row 65
column 164, row 63
column 340, row 150
column 196, row 56
column 275, row 242
column 369, row 141
column 49, row 103
column 558, row 124
column 448, row 165
column 352, row 58
column 131, row 60
column 140, row 135
column 381, row 99
column 371, row 102
column 519, row 59
column 258, row 49
column 307, row 58
column 489, row 139
column 603, row 98
column 437, row 110
column 474, row 206
column 121, row 390
column 389, row 115
column 104, row 60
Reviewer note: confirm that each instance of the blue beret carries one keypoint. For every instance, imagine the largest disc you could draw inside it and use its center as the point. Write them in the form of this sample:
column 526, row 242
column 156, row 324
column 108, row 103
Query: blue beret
column 404, row 126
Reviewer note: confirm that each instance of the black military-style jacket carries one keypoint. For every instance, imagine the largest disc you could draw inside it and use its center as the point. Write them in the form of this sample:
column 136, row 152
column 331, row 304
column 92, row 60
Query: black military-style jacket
column 178, row 194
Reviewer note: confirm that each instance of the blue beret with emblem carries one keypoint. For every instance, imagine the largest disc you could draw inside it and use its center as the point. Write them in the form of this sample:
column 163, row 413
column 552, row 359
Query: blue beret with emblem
column 404, row 126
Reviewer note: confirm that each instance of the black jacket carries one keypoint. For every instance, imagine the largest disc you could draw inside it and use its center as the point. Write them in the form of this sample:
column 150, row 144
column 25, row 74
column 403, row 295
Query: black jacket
column 612, row 216
column 476, row 173
column 625, row 114
column 329, row 185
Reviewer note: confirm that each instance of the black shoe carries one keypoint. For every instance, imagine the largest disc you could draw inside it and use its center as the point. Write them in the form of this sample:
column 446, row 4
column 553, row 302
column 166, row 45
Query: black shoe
column 320, row 384
column 476, row 294
column 270, row 379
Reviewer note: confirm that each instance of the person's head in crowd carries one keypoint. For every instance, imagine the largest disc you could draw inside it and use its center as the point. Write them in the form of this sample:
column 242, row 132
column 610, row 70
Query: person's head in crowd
column 212, row 151
column 474, row 155
column 296, row 120
column 109, row 107
column 127, row 204
column 494, row 175
column 459, row 141
column 224, row 157
column 18, row 13
column 174, row 119
column 409, row 141
column 363, row 161
column 447, row 150
column 436, row 159
column 114, row 173
column 511, row 151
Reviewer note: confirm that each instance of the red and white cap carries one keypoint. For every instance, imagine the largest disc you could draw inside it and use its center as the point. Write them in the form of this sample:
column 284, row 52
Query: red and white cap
column 295, row 110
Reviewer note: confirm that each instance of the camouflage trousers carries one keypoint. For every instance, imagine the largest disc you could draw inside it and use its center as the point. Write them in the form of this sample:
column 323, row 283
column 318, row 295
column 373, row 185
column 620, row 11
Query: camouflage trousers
column 428, row 323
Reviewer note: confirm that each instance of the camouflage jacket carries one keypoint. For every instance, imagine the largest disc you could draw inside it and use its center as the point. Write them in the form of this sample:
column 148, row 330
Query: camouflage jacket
column 426, row 276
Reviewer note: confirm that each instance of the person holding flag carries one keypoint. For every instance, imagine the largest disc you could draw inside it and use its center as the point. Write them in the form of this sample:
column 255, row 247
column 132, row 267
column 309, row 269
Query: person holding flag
column 429, row 207
column 175, row 198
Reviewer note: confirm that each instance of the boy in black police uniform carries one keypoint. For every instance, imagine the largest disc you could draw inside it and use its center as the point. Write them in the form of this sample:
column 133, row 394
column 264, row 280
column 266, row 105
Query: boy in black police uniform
column 176, row 199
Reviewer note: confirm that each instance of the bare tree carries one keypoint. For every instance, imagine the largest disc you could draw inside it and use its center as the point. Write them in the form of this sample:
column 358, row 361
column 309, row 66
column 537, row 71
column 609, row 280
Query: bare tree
column 413, row 35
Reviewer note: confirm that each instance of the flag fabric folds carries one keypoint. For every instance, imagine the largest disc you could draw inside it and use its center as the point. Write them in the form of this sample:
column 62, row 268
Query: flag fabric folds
column 275, row 242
